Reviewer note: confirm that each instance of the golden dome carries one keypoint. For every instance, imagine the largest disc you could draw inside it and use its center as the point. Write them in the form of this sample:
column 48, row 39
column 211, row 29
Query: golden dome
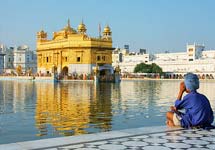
column 107, row 29
column 68, row 28
column 82, row 27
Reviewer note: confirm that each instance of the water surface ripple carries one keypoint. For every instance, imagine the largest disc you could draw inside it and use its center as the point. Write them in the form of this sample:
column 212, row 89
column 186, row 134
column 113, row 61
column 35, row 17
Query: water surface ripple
column 37, row 110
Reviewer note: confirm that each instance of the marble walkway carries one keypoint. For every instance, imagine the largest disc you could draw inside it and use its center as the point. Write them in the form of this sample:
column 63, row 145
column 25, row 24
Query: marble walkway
column 145, row 138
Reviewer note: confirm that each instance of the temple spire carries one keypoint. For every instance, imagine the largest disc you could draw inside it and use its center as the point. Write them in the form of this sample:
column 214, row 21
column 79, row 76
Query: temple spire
column 68, row 23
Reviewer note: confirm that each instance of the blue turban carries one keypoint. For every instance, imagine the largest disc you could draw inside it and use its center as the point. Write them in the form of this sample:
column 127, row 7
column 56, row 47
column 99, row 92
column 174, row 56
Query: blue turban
column 191, row 81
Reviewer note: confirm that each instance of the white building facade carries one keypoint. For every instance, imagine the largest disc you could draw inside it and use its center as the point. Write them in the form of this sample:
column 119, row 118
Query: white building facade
column 9, row 59
column 127, row 61
column 195, row 59
column 25, row 58
column 20, row 56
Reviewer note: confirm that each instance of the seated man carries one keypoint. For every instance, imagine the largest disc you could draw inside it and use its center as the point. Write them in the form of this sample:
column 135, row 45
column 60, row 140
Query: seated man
column 198, row 112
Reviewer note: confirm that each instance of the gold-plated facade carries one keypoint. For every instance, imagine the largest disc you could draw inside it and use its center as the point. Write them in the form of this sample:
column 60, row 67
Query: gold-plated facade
column 72, row 50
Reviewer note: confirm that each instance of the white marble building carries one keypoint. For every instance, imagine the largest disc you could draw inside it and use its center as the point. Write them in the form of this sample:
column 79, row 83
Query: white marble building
column 25, row 58
column 193, row 53
column 15, row 56
column 128, row 60
column 195, row 59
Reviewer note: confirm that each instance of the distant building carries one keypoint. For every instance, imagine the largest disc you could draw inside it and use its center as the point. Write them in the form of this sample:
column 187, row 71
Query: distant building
column 73, row 51
column 142, row 51
column 195, row 59
column 126, row 47
column 127, row 61
column 9, row 58
column 194, row 52
column 1, row 62
column 19, row 56
column 25, row 58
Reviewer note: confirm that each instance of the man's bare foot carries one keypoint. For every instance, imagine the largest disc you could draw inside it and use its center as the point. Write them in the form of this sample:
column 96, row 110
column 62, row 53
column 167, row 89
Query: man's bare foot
column 170, row 124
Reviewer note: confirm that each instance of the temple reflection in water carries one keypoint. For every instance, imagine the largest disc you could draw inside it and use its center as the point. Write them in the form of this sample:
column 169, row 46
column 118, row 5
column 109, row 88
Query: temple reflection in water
column 37, row 110
column 71, row 109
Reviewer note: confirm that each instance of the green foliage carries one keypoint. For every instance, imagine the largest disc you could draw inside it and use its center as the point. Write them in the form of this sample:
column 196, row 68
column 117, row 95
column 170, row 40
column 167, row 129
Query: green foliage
column 145, row 68
column 142, row 68
column 156, row 68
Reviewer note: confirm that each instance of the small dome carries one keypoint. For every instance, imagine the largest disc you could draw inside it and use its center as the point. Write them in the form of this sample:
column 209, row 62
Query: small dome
column 107, row 29
column 82, row 27
column 68, row 28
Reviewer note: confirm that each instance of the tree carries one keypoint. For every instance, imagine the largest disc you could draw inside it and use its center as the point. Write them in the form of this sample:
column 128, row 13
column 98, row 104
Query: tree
column 145, row 68
column 156, row 68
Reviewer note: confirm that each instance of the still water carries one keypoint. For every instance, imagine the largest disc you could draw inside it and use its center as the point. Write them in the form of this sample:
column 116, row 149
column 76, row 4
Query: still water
column 38, row 110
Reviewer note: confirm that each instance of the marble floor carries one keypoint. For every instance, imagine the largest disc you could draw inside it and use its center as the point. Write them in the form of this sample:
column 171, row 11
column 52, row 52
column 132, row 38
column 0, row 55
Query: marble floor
column 146, row 138
column 184, row 139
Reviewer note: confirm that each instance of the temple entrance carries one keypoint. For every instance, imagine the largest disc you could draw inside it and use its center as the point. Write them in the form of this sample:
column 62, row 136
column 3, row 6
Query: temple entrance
column 102, row 72
column 105, row 75
column 65, row 71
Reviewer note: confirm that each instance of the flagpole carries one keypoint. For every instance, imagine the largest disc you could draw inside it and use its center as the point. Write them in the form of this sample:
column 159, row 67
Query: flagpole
column 99, row 31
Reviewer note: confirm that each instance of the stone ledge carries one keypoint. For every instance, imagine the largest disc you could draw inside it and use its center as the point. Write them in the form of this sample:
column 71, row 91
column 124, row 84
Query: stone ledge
column 71, row 140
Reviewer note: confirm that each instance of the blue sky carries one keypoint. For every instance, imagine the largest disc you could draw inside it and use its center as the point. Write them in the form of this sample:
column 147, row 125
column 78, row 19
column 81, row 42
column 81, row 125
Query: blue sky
column 157, row 25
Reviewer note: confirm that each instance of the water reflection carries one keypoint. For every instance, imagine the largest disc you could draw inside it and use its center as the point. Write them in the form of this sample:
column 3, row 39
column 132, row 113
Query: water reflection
column 35, row 110
column 73, row 109
column 101, row 106
column 16, row 96
column 138, row 105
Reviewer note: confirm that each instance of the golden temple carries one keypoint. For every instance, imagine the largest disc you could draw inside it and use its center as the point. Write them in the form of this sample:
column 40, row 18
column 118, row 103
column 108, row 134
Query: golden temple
column 73, row 51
